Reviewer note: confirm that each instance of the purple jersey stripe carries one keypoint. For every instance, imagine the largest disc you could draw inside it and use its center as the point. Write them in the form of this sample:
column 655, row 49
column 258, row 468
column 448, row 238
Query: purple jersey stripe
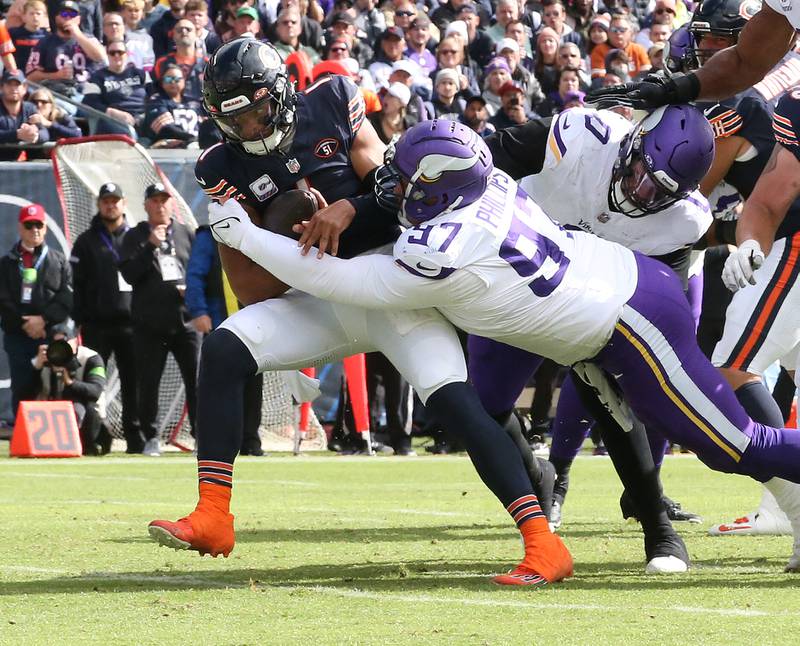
column 559, row 141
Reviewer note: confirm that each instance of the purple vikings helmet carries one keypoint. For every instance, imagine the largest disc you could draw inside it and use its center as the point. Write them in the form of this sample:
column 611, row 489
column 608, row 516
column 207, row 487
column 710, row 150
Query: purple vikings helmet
column 679, row 53
column 661, row 161
column 435, row 167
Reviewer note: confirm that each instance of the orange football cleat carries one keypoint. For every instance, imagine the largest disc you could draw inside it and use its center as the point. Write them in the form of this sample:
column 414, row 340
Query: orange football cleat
column 208, row 529
column 547, row 560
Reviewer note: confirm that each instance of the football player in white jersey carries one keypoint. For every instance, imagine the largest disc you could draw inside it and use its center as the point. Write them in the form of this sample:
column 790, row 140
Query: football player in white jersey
column 577, row 167
column 766, row 38
column 482, row 252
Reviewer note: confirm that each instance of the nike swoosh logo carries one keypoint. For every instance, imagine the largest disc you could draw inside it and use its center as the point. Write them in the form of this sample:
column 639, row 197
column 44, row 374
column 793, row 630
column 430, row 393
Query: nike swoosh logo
column 200, row 181
column 422, row 267
column 226, row 223
column 565, row 125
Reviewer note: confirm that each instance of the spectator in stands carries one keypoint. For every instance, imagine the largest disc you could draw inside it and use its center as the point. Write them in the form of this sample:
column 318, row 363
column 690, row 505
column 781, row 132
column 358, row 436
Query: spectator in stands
column 476, row 117
column 405, row 72
column 153, row 12
column 516, row 31
column 138, row 41
column 118, row 91
column 450, row 55
column 186, row 56
column 506, row 11
column 68, row 371
column 206, row 305
column 418, row 39
column 446, row 102
column 661, row 24
column 287, row 30
column 497, row 74
column 390, row 48
column 161, row 31
column 343, row 29
column 620, row 37
column 153, row 260
column 207, row 40
column 32, row 30
column 64, row 60
column 102, row 300
column 568, row 82
column 656, row 56
column 546, row 65
column 554, row 16
column 404, row 14
column 113, row 27
column 370, row 22
column 91, row 15
column 598, row 34
column 512, row 112
column 246, row 22
column 570, row 56
column 226, row 18
column 445, row 13
column 509, row 49
column 15, row 116
column 480, row 47
column 35, row 295
column 16, row 12
column 59, row 123
column 617, row 63
column 172, row 121
column 580, row 14
column 390, row 121
column 310, row 22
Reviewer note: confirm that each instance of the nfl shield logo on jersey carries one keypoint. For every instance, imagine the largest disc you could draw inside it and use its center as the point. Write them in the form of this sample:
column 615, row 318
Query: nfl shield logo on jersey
column 292, row 165
column 603, row 217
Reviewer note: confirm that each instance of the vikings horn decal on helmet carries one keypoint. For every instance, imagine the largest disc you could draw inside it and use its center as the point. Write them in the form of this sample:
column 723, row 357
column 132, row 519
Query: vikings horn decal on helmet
column 247, row 93
column 661, row 160
column 438, row 166
column 679, row 52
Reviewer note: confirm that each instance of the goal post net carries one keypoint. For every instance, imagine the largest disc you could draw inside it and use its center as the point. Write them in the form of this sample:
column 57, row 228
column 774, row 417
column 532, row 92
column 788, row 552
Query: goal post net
column 81, row 166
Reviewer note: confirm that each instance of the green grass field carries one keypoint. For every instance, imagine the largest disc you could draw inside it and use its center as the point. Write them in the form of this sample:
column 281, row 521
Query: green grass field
column 335, row 550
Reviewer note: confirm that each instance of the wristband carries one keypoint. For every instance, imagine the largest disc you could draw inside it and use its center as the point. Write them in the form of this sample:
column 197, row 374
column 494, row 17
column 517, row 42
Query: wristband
column 685, row 88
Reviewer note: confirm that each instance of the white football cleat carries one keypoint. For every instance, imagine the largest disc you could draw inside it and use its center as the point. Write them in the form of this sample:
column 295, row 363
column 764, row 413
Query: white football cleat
column 760, row 522
column 665, row 565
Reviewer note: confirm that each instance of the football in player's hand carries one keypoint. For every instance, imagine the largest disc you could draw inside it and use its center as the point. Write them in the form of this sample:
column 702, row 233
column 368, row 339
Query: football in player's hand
column 288, row 209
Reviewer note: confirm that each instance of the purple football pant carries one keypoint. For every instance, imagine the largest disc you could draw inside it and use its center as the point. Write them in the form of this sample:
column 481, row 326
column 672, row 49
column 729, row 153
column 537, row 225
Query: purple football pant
column 673, row 388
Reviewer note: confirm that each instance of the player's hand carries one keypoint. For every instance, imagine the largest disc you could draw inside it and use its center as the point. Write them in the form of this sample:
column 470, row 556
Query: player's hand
column 158, row 234
column 229, row 223
column 325, row 227
column 651, row 93
column 741, row 264
column 41, row 357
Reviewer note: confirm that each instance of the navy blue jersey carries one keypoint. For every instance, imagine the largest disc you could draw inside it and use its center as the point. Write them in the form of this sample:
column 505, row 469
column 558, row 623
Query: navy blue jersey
column 53, row 52
column 749, row 115
column 329, row 115
column 24, row 42
column 168, row 119
column 124, row 90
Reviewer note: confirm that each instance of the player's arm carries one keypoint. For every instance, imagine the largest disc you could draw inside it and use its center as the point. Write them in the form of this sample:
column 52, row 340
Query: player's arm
column 250, row 282
column 520, row 150
column 372, row 281
column 726, row 151
column 777, row 187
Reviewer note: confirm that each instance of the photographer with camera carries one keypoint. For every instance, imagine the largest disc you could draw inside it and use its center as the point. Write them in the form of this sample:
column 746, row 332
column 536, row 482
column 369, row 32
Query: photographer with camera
column 512, row 107
column 72, row 372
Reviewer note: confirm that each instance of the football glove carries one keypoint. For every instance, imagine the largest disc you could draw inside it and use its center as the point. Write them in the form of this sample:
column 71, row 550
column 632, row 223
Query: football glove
column 741, row 264
column 650, row 93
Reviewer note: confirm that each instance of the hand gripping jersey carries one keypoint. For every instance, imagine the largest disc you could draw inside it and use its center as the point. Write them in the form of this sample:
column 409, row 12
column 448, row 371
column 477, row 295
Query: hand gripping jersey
column 790, row 9
column 498, row 268
column 572, row 187
column 329, row 115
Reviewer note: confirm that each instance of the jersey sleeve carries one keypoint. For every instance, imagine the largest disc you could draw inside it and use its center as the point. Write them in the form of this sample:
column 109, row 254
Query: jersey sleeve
column 520, row 150
column 724, row 120
column 786, row 122
column 210, row 173
column 437, row 251
column 346, row 93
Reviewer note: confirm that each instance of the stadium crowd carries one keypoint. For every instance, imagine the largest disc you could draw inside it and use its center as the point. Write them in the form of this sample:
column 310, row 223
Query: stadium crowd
column 138, row 65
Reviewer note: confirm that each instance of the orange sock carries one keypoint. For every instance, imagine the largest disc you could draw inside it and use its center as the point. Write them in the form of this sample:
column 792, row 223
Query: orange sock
column 214, row 498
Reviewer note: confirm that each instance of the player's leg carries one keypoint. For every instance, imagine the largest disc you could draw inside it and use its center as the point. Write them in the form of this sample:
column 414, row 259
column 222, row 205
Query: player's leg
column 294, row 331
column 670, row 384
column 425, row 349
column 759, row 321
column 499, row 373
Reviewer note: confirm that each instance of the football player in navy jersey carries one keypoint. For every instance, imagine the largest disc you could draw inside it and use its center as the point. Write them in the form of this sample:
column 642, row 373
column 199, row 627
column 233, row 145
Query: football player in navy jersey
column 277, row 140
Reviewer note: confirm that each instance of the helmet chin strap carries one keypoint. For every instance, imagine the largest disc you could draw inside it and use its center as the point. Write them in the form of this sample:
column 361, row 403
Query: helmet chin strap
column 279, row 140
